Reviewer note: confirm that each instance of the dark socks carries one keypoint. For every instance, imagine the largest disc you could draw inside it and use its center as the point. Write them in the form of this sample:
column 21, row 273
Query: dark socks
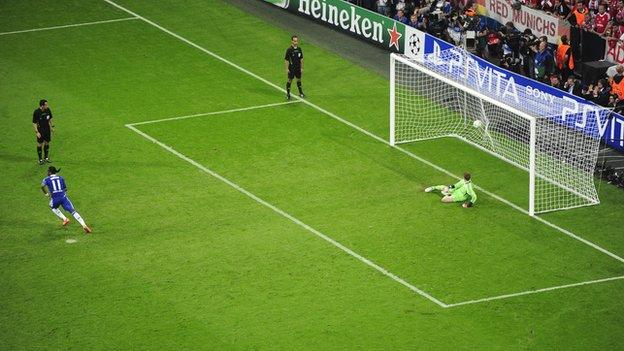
column 39, row 152
column 46, row 148
column 299, row 87
column 288, row 87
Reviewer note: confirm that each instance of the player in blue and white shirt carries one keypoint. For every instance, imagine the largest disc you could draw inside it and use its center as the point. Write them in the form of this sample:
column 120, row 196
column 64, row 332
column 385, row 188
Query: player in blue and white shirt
column 57, row 191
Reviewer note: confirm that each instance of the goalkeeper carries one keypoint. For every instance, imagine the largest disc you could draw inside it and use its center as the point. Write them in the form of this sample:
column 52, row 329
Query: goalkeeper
column 461, row 191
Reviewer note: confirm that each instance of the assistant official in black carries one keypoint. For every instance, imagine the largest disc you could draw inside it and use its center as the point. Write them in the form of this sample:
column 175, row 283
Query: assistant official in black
column 42, row 123
column 294, row 65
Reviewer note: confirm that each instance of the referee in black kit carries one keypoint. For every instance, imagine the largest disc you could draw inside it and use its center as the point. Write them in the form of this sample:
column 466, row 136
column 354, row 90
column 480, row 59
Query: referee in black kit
column 42, row 122
column 294, row 65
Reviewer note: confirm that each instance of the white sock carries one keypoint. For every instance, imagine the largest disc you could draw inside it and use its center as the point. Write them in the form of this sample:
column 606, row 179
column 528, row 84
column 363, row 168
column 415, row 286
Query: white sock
column 79, row 219
column 59, row 214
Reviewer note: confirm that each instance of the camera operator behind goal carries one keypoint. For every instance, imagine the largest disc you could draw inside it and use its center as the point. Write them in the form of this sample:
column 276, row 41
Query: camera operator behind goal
column 437, row 17
column 528, row 40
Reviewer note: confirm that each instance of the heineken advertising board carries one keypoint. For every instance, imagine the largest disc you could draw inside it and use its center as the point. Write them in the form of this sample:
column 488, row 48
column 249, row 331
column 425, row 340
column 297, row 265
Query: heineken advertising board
column 357, row 21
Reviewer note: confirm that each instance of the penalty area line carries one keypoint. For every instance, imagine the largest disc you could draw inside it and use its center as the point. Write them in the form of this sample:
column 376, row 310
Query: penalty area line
column 215, row 113
column 285, row 214
column 69, row 25
column 530, row 292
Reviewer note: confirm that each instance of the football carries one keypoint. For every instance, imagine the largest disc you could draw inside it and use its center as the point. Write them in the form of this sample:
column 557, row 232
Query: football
column 477, row 123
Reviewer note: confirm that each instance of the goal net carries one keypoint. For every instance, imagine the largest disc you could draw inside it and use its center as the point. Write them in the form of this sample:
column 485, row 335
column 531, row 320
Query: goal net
column 555, row 142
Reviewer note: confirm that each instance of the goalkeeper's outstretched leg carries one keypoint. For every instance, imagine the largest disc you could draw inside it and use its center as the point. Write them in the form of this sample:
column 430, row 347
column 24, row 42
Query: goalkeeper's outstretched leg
column 459, row 192
column 444, row 189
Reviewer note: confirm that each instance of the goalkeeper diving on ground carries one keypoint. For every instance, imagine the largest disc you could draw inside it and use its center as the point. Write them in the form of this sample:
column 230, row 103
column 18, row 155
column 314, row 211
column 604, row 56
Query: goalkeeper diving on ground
column 461, row 191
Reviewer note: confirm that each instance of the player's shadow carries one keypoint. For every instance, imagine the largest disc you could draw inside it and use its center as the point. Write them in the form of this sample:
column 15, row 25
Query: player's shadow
column 38, row 231
column 13, row 158
column 52, row 233
column 112, row 164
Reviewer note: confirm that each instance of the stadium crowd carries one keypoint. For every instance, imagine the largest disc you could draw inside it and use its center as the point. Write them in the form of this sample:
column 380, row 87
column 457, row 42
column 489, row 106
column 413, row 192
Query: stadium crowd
column 458, row 22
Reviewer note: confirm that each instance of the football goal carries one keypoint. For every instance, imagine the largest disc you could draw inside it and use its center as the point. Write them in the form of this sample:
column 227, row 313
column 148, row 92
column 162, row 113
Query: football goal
column 554, row 139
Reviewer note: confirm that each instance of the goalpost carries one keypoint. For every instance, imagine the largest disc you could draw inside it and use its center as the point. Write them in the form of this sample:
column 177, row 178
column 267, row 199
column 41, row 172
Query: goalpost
column 448, row 95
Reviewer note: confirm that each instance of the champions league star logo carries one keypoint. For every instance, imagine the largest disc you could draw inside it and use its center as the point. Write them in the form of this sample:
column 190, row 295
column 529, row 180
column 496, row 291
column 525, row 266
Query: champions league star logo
column 414, row 44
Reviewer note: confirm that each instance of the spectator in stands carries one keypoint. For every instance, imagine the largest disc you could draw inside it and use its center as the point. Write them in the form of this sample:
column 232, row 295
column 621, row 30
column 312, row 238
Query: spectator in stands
column 612, row 7
column 542, row 61
column 618, row 28
column 619, row 15
column 592, row 6
column 564, row 59
column 572, row 85
column 423, row 21
column 608, row 32
column 598, row 93
column 399, row 5
column 531, row 3
column 547, row 6
column 614, row 70
column 612, row 35
column 471, row 9
column 555, row 81
column 578, row 14
column 601, row 19
column 458, row 5
column 617, row 82
column 382, row 7
column 413, row 22
column 400, row 17
column 616, row 104
column 562, row 10
column 444, row 6
column 601, row 93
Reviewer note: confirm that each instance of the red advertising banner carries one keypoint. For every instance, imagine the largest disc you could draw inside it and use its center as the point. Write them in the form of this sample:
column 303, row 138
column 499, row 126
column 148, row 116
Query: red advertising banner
column 540, row 22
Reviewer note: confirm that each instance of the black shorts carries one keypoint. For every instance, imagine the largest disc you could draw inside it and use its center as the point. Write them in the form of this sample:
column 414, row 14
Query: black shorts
column 292, row 73
column 45, row 136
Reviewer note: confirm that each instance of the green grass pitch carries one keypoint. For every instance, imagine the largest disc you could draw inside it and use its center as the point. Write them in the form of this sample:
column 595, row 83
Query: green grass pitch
column 180, row 259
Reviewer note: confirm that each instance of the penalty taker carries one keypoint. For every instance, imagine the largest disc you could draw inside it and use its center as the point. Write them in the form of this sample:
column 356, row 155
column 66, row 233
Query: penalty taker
column 461, row 191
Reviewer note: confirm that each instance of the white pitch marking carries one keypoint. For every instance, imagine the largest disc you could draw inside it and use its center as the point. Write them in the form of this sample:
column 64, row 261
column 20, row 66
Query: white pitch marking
column 69, row 25
column 529, row 292
column 363, row 131
column 71, row 241
column 289, row 216
column 216, row 112
column 366, row 132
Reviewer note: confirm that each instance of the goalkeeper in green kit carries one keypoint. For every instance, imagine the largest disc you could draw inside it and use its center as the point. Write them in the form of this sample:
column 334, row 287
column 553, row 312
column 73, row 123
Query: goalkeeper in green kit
column 461, row 191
